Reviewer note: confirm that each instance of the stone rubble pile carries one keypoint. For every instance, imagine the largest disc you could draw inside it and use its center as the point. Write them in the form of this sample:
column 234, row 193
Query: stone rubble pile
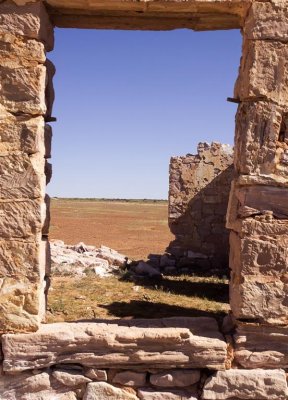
column 80, row 260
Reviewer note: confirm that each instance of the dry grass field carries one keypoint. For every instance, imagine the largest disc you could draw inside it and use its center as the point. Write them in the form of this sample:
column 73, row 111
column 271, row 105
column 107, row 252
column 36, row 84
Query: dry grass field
column 132, row 228
column 135, row 229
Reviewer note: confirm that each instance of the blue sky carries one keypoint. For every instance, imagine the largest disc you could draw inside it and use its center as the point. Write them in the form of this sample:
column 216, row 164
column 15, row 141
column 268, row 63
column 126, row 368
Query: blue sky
column 126, row 101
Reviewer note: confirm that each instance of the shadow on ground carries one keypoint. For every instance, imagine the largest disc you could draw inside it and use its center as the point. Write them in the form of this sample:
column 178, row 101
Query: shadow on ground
column 146, row 309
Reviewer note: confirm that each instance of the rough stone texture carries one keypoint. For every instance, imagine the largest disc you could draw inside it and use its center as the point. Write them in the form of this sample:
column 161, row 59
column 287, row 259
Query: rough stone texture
column 152, row 394
column 198, row 197
column 246, row 384
column 41, row 386
column 176, row 378
column 261, row 141
column 96, row 374
column 263, row 72
column 261, row 346
column 31, row 21
column 165, row 343
column 104, row 391
column 130, row 378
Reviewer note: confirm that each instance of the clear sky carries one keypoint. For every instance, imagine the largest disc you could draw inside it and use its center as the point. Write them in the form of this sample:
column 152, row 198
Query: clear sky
column 126, row 101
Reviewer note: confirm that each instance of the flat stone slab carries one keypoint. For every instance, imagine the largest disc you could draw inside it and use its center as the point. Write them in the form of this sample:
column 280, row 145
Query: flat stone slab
column 261, row 346
column 165, row 343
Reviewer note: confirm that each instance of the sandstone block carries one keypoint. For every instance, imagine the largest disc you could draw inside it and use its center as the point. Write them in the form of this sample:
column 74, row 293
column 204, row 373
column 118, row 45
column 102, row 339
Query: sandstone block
column 33, row 387
column 267, row 21
column 130, row 378
column 23, row 90
column 176, row 378
column 104, row 391
column 16, row 52
column 152, row 394
column 191, row 342
column 22, row 176
column 30, row 20
column 263, row 72
column 260, row 141
column 96, row 374
column 259, row 262
column 22, row 134
column 23, row 259
column 246, row 384
column 22, row 304
column 21, row 219
column 261, row 346
column 70, row 379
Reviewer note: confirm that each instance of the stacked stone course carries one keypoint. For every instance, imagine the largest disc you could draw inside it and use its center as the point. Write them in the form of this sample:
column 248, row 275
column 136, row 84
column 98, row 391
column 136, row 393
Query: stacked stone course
column 167, row 359
column 199, row 187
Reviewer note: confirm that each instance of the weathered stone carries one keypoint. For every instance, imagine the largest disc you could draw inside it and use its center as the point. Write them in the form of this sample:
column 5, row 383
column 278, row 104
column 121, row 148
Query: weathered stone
column 263, row 72
column 22, row 304
column 246, row 384
column 22, row 176
column 104, row 391
column 258, row 284
column 130, row 378
column 176, row 378
column 21, row 219
column 23, row 90
column 261, row 346
column 16, row 52
column 22, row 258
column 152, row 394
column 190, row 342
column 267, row 21
column 30, row 21
column 96, row 374
column 48, row 140
column 199, row 188
column 22, row 134
column 70, row 378
column 260, row 141
column 33, row 387
column 49, row 91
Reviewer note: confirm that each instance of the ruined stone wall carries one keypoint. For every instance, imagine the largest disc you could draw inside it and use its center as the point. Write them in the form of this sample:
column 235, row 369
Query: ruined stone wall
column 199, row 187
column 171, row 359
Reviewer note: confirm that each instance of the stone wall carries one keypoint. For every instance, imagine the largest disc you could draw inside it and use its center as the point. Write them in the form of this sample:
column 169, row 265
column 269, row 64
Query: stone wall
column 199, row 187
column 169, row 359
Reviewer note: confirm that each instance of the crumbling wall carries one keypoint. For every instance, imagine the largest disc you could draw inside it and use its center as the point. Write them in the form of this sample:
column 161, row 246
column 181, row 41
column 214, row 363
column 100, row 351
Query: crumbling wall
column 199, row 187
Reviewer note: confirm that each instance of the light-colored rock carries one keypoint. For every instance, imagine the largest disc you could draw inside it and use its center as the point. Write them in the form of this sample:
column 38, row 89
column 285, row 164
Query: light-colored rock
column 31, row 21
column 263, row 72
column 152, row 394
column 22, row 219
column 23, row 90
column 258, row 284
column 165, row 343
column 21, row 258
column 96, row 374
column 80, row 259
column 22, row 176
column 130, row 378
column 21, row 133
column 261, row 346
column 176, row 378
column 22, row 304
column 16, row 52
column 246, row 384
column 104, row 391
column 33, row 387
column 112, row 256
column 267, row 21
column 257, row 146
column 70, row 379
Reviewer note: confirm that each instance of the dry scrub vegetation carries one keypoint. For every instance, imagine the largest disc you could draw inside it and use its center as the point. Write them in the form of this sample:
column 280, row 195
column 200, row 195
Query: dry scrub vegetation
column 136, row 229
